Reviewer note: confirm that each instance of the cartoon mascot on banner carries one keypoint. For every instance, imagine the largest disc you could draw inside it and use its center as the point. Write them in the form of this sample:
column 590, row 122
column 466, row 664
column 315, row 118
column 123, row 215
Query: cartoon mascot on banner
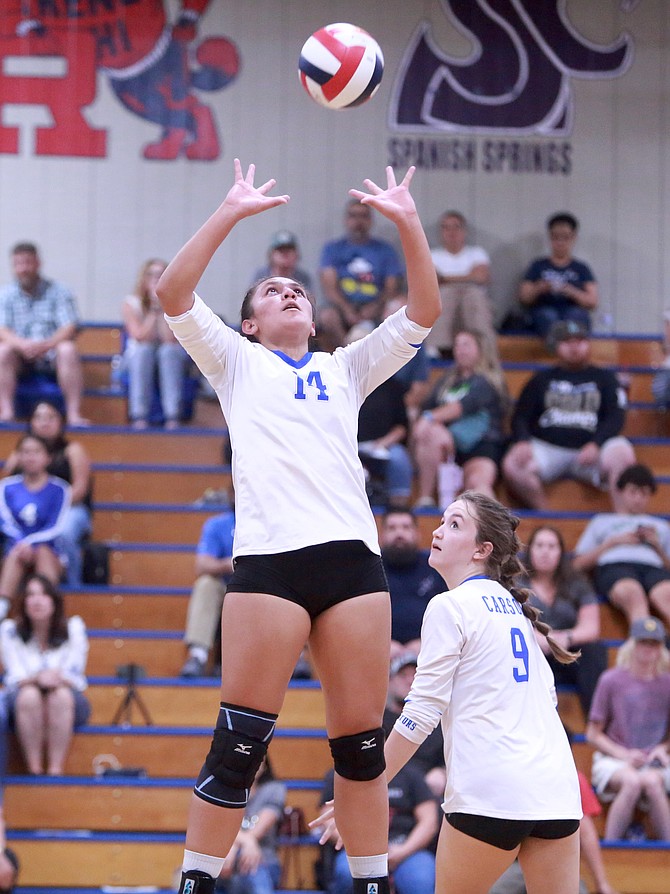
column 146, row 60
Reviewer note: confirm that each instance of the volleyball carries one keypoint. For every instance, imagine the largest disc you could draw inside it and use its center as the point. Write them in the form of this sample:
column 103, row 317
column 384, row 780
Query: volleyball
column 341, row 66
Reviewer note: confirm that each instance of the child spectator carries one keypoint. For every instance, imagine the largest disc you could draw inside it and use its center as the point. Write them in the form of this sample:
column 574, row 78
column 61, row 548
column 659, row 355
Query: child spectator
column 70, row 461
column 33, row 508
column 629, row 551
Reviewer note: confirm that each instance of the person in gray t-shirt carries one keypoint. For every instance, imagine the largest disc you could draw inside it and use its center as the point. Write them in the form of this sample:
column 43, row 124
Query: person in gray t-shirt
column 253, row 865
column 628, row 552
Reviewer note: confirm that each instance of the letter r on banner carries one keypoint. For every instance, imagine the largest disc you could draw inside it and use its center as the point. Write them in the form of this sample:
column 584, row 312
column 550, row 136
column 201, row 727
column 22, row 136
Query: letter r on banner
column 65, row 94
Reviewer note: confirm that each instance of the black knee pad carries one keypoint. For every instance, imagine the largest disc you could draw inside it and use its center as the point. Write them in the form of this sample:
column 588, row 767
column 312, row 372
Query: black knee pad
column 361, row 756
column 239, row 744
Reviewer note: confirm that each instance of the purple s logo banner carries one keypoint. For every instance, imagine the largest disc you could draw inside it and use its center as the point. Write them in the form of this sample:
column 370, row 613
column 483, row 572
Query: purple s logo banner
column 517, row 78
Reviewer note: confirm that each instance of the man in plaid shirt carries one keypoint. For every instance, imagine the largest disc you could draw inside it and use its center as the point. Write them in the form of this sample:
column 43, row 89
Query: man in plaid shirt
column 38, row 325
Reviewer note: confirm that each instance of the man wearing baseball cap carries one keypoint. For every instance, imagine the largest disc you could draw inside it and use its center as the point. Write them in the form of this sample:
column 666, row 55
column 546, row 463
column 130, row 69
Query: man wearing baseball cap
column 429, row 758
column 567, row 423
column 283, row 257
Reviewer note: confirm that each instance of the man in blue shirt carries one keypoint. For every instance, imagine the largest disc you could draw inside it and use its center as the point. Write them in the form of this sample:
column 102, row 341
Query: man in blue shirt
column 214, row 566
column 358, row 273
column 412, row 582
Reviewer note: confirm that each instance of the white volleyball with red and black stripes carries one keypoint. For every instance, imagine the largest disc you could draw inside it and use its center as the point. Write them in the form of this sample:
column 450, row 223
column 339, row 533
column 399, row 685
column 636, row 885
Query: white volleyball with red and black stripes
column 341, row 66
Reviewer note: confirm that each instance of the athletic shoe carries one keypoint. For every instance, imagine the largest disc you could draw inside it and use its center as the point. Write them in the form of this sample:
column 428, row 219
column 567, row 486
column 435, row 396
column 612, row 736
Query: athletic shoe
column 193, row 667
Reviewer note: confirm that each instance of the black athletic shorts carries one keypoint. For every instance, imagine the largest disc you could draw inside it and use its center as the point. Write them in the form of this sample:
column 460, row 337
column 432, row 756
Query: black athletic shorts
column 605, row 576
column 315, row 577
column 508, row 834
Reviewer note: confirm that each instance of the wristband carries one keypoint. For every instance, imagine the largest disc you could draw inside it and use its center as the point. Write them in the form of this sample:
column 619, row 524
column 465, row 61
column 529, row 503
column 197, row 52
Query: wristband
column 428, row 414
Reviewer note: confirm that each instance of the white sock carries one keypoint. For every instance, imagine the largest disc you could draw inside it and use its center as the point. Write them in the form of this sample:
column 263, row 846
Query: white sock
column 199, row 652
column 203, row 862
column 369, row 867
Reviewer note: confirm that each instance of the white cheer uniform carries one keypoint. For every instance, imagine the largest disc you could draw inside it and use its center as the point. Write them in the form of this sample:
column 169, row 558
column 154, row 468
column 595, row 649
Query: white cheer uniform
column 293, row 428
column 481, row 671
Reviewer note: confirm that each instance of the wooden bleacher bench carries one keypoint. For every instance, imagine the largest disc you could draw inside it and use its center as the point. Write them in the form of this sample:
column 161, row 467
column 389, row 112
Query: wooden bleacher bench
column 80, row 832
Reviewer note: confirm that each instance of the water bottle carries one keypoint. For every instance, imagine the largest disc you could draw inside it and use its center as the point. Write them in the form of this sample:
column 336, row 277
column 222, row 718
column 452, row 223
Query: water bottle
column 605, row 323
column 449, row 482
column 116, row 373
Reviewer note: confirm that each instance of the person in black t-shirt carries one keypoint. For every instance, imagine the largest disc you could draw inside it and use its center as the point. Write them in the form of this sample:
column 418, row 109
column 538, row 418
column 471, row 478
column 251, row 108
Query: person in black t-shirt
column 567, row 424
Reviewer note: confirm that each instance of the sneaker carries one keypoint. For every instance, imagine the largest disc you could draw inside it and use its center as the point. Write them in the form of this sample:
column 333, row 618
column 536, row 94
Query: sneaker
column 193, row 667
column 425, row 503
column 302, row 670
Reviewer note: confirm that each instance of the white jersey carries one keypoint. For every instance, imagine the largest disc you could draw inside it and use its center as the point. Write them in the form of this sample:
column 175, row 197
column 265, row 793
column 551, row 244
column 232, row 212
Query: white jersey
column 481, row 671
column 293, row 428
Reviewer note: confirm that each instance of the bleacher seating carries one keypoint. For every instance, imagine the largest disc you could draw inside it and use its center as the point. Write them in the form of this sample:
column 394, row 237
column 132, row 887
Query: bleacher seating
column 84, row 831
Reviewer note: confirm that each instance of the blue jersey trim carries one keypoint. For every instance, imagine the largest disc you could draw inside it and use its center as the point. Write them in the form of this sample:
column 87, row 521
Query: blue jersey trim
column 296, row 364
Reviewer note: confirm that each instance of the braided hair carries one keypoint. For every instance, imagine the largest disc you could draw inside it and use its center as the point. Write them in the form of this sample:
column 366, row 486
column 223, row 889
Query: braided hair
column 497, row 525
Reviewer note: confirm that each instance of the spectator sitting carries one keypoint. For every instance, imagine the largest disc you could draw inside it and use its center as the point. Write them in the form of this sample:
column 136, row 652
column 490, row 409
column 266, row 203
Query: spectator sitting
column 358, row 273
column 567, row 423
column 570, row 607
column 44, row 657
column 69, row 461
column 252, row 866
column 382, row 434
column 414, row 375
column 283, row 257
column 412, row 582
column 38, row 325
column 462, row 423
column 429, row 757
column 33, row 509
column 213, row 565
column 413, row 824
column 463, row 273
column 629, row 551
column 629, row 726
column 151, row 347
column 559, row 287
column 660, row 383
column 9, row 862
column 512, row 881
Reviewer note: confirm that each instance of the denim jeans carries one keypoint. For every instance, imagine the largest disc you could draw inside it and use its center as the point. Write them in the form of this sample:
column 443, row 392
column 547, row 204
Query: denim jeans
column 263, row 881
column 77, row 528
column 142, row 359
column 415, row 875
column 543, row 317
column 399, row 472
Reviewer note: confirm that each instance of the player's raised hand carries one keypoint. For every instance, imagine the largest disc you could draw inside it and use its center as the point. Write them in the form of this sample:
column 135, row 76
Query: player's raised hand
column 245, row 199
column 394, row 202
